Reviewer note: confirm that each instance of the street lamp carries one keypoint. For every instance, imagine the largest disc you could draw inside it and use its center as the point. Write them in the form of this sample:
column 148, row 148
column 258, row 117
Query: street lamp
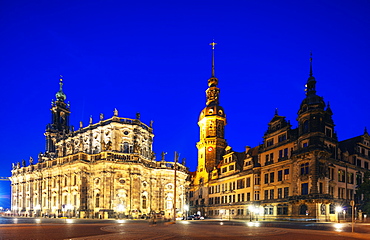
column 338, row 209
column 37, row 209
column 252, row 210
column 121, row 209
column 186, row 208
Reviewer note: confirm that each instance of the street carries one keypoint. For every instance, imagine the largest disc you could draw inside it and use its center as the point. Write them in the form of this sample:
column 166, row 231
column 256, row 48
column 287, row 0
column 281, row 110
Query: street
column 45, row 228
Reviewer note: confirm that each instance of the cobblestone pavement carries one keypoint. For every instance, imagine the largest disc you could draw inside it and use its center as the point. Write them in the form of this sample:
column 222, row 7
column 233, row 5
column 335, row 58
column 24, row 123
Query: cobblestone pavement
column 186, row 230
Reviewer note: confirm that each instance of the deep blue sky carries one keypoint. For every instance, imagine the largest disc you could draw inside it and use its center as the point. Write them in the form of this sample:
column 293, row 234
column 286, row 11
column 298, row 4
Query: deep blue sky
column 153, row 57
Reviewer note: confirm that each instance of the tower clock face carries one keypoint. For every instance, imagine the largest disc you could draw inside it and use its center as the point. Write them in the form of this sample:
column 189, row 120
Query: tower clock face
column 210, row 149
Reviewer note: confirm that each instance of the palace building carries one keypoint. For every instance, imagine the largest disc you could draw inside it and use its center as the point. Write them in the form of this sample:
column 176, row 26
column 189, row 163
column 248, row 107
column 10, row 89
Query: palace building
column 296, row 173
column 106, row 169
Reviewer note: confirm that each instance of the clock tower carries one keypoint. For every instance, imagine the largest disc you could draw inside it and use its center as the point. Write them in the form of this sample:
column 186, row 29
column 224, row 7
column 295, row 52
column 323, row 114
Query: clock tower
column 212, row 121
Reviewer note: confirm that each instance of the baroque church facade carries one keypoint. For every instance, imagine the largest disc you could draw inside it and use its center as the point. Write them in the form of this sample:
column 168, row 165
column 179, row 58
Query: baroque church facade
column 106, row 169
column 296, row 173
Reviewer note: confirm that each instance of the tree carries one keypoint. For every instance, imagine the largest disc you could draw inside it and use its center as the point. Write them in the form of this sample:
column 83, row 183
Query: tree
column 364, row 190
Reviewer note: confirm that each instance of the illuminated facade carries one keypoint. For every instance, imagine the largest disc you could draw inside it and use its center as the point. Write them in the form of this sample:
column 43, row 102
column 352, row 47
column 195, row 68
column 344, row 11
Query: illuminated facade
column 296, row 173
column 103, row 170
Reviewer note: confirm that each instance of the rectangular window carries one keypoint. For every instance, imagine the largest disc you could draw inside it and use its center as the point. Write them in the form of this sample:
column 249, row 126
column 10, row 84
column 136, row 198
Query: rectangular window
column 366, row 165
column 280, row 193
column 304, row 188
column 272, row 177
column 257, row 180
column 286, row 192
column 231, row 167
column 242, row 197
column 256, row 195
column 266, row 178
column 280, row 175
column 248, row 182
column 271, row 157
column 280, row 153
column 286, row 173
column 285, row 152
column 224, row 169
column 270, row 142
column 240, row 183
column 248, row 196
column 272, row 194
column 266, row 195
column 328, row 132
column 282, row 137
column 358, row 163
column 341, row 175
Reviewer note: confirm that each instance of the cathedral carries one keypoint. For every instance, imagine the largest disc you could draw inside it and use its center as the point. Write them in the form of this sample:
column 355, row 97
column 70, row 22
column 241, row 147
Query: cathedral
column 104, row 170
column 301, row 173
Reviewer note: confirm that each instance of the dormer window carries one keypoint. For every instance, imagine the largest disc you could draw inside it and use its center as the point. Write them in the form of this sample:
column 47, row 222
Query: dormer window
column 231, row 167
column 282, row 137
column 270, row 142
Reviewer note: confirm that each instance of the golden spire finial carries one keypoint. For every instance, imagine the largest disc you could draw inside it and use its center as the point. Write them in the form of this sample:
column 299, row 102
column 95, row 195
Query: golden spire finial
column 213, row 44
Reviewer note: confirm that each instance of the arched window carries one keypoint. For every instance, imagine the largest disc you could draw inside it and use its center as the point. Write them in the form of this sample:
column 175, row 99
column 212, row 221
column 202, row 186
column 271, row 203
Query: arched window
column 305, row 127
column 323, row 209
column 169, row 203
column 74, row 180
column 303, row 209
column 125, row 147
column 143, row 205
column 97, row 200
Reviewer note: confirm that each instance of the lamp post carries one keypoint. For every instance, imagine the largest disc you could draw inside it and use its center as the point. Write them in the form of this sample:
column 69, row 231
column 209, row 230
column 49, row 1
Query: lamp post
column 251, row 211
column 353, row 214
column 186, row 208
column 338, row 209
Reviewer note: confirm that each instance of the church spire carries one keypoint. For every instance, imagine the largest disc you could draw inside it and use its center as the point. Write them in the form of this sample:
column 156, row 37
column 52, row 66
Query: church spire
column 213, row 91
column 311, row 82
column 213, row 44
column 60, row 94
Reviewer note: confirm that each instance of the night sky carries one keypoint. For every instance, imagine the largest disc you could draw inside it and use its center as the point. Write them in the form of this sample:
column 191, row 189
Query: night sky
column 154, row 57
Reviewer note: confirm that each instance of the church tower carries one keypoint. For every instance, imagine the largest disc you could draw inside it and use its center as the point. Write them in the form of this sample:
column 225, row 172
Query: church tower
column 317, row 140
column 59, row 125
column 212, row 121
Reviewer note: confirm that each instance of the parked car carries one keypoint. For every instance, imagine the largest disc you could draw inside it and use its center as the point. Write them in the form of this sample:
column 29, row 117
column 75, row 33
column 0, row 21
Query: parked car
column 195, row 217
